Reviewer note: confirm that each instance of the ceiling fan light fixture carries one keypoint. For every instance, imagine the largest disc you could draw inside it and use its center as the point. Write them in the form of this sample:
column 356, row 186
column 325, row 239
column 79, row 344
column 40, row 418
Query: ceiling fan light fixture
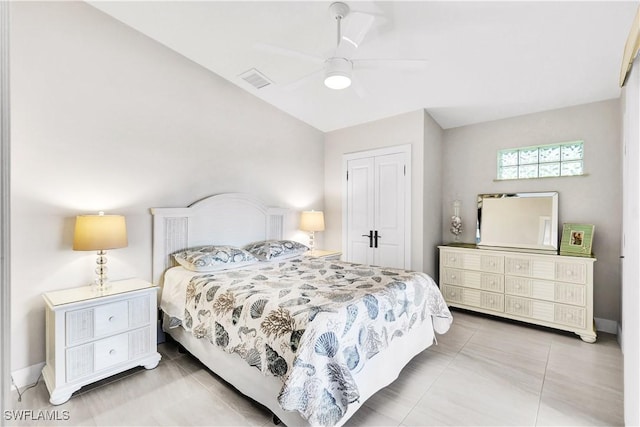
column 338, row 73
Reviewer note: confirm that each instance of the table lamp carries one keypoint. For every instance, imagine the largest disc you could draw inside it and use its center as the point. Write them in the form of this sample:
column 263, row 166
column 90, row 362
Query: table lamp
column 99, row 233
column 312, row 221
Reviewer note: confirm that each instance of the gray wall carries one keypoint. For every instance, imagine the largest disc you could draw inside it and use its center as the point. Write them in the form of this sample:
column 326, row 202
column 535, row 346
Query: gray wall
column 469, row 168
column 104, row 118
column 432, row 190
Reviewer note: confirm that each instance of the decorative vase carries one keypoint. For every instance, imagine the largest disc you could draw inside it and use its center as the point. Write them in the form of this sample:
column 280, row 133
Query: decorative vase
column 456, row 221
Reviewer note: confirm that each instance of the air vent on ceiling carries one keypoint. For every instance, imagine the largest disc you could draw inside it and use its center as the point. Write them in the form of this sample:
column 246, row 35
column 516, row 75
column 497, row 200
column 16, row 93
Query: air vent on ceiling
column 255, row 78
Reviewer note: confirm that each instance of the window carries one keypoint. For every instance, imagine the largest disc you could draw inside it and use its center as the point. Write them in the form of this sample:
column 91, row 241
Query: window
column 541, row 161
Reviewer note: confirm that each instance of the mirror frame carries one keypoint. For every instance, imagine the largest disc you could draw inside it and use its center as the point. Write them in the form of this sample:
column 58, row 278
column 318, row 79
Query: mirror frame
column 528, row 247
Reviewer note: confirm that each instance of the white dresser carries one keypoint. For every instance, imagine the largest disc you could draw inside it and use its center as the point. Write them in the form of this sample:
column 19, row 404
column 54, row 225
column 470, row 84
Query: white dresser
column 91, row 335
column 548, row 290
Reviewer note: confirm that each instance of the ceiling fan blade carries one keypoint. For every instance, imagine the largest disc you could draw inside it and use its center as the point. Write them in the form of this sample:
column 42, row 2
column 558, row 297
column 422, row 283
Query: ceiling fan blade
column 356, row 27
column 398, row 64
column 283, row 51
column 296, row 84
column 358, row 87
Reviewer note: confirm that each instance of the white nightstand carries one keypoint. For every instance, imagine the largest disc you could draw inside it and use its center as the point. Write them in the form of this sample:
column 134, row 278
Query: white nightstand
column 328, row 255
column 94, row 334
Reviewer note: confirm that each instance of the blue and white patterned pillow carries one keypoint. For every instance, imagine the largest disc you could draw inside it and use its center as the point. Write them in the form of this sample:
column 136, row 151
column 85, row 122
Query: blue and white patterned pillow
column 214, row 258
column 276, row 249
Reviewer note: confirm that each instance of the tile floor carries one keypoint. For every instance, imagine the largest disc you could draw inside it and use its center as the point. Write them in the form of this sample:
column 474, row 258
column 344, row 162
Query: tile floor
column 484, row 371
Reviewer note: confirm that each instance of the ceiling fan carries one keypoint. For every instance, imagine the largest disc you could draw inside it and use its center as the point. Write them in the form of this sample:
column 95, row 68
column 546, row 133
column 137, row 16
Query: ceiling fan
column 338, row 68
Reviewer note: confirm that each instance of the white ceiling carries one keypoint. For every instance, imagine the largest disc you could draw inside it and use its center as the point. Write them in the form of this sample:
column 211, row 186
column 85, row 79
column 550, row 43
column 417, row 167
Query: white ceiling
column 486, row 60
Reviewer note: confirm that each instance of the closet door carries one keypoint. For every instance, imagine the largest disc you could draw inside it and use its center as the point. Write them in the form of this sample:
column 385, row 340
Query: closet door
column 389, row 212
column 375, row 210
column 360, row 210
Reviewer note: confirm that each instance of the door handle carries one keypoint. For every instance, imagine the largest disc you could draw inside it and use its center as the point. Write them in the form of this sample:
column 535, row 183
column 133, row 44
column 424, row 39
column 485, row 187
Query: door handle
column 370, row 236
column 376, row 237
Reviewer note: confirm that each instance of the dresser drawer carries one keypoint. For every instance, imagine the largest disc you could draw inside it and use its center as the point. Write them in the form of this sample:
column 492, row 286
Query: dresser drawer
column 547, row 311
column 473, row 279
column 538, row 268
column 574, row 272
column 473, row 298
column 487, row 300
column 534, row 309
column 549, row 291
column 518, row 286
column 473, row 261
column 453, row 276
column 452, row 293
column 569, row 315
column 492, row 282
column 492, row 301
column 570, row 294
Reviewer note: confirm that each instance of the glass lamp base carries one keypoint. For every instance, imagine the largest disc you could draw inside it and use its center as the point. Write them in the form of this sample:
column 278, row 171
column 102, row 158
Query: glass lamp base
column 101, row 281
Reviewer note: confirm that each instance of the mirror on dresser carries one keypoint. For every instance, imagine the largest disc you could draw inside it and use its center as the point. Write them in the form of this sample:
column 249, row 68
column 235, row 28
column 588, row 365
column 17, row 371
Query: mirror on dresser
column 519, row 221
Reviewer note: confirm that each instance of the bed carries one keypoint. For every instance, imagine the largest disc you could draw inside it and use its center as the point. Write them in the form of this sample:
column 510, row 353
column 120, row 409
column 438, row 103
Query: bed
column 308, row 338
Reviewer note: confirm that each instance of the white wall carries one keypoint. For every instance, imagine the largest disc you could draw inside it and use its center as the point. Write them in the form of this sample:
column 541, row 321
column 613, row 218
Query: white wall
column 469, row 168
column 104, row 118
column 410, row 128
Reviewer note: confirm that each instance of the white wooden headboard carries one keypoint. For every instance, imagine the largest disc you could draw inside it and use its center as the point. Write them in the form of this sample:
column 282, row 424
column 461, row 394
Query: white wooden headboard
column 229, row 219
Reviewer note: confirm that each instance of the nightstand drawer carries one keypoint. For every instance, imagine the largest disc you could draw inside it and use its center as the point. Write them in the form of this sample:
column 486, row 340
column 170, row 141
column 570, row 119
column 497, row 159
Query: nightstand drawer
column 107, row 319
column 110, row 318
column 86, row 359
column 111, row 351
column 96, row 322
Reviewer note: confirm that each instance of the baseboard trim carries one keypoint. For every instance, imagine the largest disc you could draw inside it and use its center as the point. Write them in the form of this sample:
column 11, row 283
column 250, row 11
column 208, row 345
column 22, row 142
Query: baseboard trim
column 607, row 325
column 620, row 338
column 26, row 376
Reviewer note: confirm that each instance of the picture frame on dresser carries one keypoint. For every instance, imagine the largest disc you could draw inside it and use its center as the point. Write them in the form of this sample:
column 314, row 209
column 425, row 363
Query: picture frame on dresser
column 577, row 239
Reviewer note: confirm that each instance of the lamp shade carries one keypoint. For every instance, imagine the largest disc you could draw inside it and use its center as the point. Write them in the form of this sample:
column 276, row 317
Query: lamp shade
column 312, row 221
column 99, row 232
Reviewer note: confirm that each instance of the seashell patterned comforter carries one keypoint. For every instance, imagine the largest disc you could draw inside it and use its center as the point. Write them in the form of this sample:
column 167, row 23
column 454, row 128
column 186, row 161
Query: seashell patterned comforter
column 311, row 323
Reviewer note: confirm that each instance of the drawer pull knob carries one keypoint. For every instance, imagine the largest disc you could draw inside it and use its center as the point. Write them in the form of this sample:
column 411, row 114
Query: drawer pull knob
column 111, row 318
column 518, row 267
column 112, row 352
column 453, row 293
column 518, row 306
column 453, row 276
